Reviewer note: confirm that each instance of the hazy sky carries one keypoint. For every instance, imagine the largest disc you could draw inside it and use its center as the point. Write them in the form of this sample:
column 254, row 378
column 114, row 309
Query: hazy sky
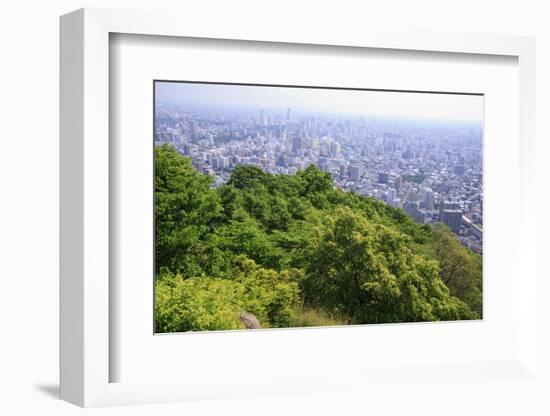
column 387, row 104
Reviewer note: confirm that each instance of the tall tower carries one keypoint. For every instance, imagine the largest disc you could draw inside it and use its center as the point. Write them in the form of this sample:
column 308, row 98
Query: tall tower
column 193, row 131
column 427, row 199
column 288, row 114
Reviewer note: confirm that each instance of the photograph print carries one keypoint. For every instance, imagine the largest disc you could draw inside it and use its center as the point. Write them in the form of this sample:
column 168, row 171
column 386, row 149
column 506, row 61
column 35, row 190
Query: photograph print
column 289, row 206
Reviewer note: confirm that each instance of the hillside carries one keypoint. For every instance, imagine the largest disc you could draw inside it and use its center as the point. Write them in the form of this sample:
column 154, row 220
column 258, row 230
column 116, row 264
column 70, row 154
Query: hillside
column 294, row 251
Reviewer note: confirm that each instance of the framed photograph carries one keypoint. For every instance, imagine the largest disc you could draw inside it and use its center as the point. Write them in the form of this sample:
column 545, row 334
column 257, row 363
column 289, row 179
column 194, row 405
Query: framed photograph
column 323, row 209
column 275, row 212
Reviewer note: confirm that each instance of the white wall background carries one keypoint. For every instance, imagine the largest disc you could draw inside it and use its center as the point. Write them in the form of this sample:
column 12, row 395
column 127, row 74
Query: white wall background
column 29, row 56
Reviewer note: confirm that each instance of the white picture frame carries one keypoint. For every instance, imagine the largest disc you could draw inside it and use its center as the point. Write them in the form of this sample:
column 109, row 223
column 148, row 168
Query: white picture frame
column 85, row 355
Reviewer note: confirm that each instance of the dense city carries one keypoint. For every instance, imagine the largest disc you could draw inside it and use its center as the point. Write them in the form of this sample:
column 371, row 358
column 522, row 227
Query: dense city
column 432, row 170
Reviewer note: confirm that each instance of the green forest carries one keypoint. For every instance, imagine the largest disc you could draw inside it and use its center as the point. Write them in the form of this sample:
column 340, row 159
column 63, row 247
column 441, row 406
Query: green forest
column 293, row 251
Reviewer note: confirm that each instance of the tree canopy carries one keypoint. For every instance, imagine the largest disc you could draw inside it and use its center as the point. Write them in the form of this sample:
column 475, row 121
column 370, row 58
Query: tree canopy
column 295, row 251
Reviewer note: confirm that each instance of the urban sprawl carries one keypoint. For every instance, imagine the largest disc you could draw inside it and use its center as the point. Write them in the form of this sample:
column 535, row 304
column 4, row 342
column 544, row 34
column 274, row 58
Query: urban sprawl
column 432, row 170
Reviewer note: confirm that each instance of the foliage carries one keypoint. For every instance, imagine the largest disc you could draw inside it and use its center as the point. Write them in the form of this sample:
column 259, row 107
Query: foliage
column 268, row 294
column 196, row 304
column 461, row 270
column 367, row 272
column 247, row 238
column 203, row 303
column 186, row 209
column 295, row 251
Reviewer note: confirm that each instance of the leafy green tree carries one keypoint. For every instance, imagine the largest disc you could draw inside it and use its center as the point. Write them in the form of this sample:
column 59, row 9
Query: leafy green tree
column 186, row 210
column 232, row 203
column 366, row 271
column 314, row 180
column 203, row 303
column 246, row 177
column 461, row 269
column 196, row 304
column 247, row 238
column 269, row 295
column 256, row 193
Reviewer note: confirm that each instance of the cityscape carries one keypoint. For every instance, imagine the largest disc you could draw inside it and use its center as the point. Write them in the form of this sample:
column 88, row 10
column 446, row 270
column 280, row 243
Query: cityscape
column 430, row 168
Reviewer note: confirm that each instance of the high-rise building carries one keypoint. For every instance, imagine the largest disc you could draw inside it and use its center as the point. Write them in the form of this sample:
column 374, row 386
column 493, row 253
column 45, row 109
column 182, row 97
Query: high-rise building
column 452, row 218
column 297, row 143
column 383, row 177
column 314, row 143
column 447, row 205
column 408, row 154
column 214, row 162
column 193, row 131
column 288, row 114
column 355, row 173
column 397, row 182
column 335, row 149
column 411, row 208
column 187, row 149
column 392, row 193
column 427, row 199
column 342, row 171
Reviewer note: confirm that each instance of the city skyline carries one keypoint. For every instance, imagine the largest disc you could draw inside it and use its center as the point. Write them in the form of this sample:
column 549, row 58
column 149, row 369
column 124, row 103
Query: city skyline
column 433, row 171
column 420, row 106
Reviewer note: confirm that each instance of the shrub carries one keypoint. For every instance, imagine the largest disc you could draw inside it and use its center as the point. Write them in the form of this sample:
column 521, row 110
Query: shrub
column 197, row 304
column 205, row 303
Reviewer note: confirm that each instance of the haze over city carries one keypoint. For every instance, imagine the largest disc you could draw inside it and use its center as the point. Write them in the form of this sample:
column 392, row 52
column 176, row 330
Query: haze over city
column 397, row 104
